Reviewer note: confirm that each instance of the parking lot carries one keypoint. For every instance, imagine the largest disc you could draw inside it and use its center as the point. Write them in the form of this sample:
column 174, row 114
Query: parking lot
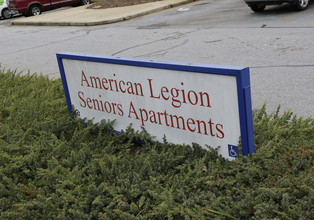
column 276, row 44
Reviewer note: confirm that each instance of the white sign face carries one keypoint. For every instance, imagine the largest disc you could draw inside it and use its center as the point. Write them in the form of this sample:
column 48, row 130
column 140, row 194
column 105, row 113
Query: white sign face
column 184, row 106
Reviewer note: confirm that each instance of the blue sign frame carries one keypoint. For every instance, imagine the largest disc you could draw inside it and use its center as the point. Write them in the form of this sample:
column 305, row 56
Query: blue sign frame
column 241, row 73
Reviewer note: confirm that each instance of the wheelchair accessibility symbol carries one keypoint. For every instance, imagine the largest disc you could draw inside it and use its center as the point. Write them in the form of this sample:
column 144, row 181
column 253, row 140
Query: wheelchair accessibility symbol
column 233, row 150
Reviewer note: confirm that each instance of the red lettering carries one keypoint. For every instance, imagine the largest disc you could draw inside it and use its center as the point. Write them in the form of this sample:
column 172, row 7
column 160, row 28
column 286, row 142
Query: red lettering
column 189, row 122
column 178, row 122
column 120, row 110
column 114, row 107
column 132, row 110
column 89, row 100
column 130, row 88
column 183, row 93
column 104, row 82
column 81, row 95
column 189, row 97
column 211, row 127
column 123, row 91
column 110, row 81
column 164, row 89
column 97, row 82
column 101, row 104
column 165, row 114
column 95, row 101
column 151, row 90
column 152, row 118
column 207, row 99
column 175, row 95
column 199, row 127
column 143, row 117
column 84, row 80
column 219, row 128
column 159, row 113
column 115, row 82
column 138, row 85
column 108, row 107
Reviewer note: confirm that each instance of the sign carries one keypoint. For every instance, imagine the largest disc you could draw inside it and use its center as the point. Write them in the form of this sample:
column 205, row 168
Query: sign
column 206, row 104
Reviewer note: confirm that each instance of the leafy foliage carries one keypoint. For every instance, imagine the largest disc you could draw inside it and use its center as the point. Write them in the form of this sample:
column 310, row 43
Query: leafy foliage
column 52, row 166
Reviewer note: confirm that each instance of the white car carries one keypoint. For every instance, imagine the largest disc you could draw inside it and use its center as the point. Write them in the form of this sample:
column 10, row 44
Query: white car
column 5, row 12
column 259, row 5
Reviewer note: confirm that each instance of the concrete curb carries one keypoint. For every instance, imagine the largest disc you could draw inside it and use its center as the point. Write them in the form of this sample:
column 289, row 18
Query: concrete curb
column 81, row 16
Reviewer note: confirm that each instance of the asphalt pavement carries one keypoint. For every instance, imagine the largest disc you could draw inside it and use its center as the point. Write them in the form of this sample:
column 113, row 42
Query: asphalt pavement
column 277, row 44
column 82, row 16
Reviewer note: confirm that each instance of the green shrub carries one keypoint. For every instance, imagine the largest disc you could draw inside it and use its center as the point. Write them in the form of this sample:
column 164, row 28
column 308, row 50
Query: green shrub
column 52, row 166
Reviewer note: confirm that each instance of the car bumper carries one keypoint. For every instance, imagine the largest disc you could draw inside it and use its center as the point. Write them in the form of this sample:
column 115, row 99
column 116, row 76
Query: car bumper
column 268, row 2
column 13, row 12
column 17, row 10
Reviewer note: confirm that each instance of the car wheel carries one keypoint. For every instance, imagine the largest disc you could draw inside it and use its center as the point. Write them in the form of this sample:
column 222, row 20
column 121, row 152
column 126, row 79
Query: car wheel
column 257, row 8
column 301, row 5
column 85, row 2
column 34, row 10
column 6, row 13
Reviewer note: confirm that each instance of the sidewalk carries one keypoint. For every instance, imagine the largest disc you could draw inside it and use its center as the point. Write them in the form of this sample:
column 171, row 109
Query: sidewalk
column 81, row 16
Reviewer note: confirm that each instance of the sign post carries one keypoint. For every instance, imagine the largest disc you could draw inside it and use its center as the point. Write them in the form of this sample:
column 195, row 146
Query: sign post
column 206, row 104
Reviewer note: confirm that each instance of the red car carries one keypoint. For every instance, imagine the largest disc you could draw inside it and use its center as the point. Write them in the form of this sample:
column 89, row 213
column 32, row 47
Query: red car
column 35, row 7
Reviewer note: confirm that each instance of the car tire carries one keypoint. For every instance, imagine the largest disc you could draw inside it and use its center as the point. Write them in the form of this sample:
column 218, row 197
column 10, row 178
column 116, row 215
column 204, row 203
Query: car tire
column 85, row 2
column 257, row 8
column 34, row 10
column 301, row 5
column 6, row 13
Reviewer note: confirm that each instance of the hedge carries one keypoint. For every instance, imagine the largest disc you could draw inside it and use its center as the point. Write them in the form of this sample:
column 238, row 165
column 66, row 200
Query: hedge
column 52, row 166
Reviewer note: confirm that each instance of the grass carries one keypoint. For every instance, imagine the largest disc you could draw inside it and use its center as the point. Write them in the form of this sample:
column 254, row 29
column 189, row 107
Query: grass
column 52, row 166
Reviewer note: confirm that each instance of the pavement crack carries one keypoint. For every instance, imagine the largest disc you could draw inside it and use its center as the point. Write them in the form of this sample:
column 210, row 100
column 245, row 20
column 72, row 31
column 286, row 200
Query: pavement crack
column 175, row 36
column 212, row 41
column 44, row 45
column 136, row 46
column 164, row 51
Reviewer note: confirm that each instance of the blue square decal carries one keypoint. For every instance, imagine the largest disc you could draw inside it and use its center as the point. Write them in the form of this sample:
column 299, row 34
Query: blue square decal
column 232, row 150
